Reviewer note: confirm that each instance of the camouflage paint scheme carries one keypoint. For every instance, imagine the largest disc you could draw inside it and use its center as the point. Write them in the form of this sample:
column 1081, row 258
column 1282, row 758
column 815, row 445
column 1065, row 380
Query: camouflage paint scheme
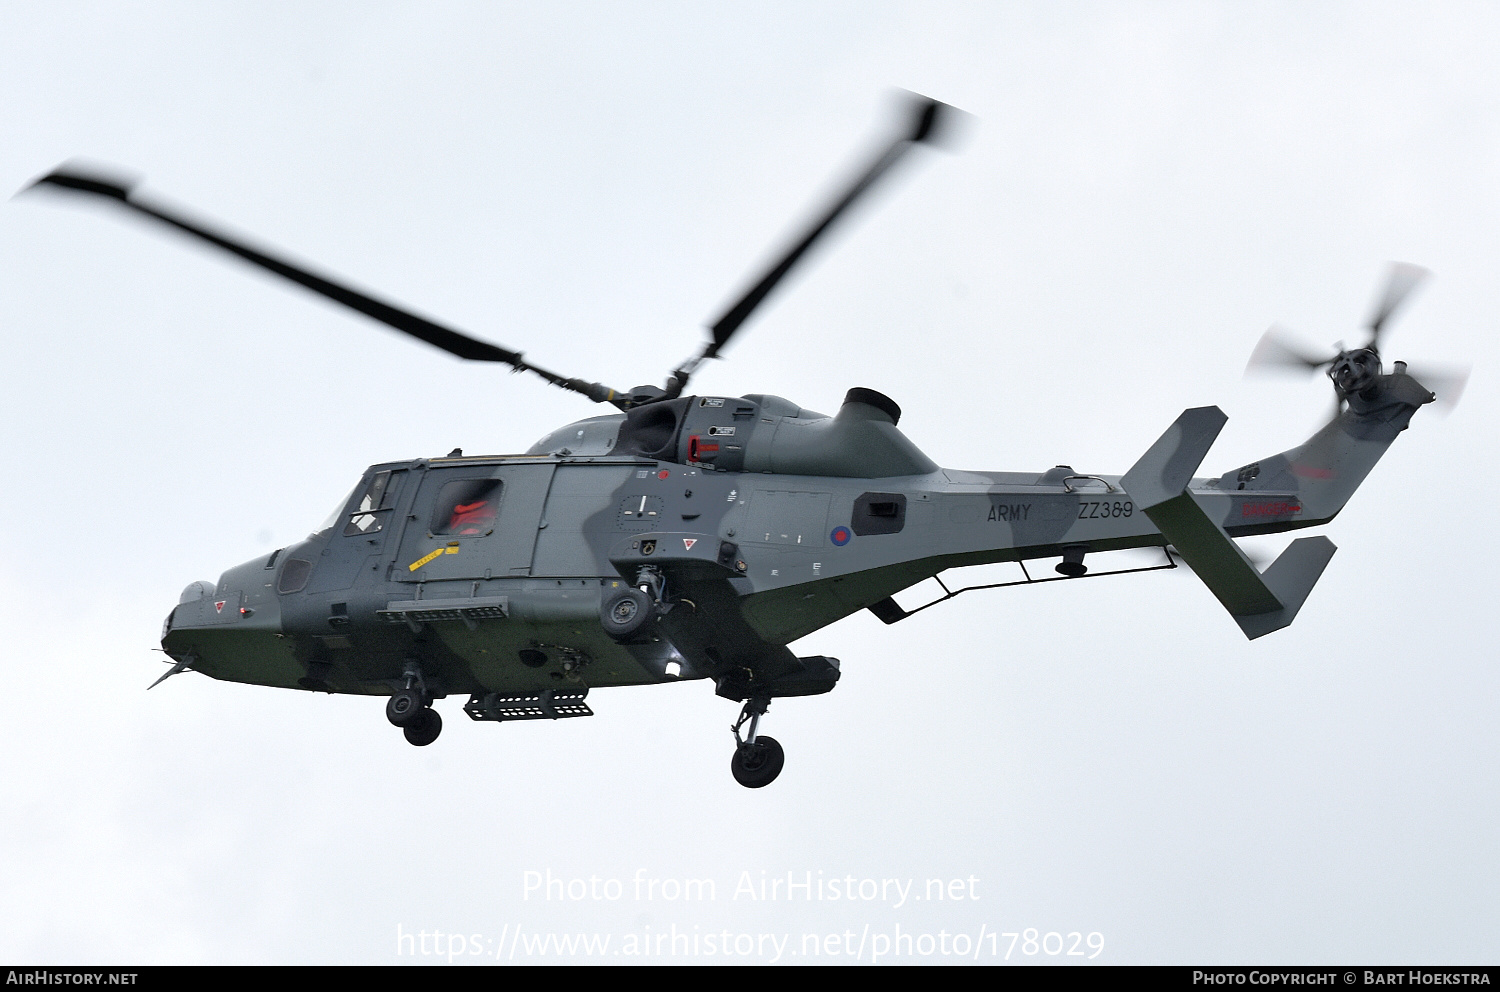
column 764, row 522
column 694, row 537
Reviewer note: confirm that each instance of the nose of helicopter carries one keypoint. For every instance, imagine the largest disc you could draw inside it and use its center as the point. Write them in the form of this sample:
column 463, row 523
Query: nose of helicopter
column 231, row 629
column 234, row 599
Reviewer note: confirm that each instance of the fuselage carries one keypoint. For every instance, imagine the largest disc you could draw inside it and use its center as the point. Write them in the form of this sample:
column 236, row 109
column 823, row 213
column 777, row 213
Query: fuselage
column 491, row 572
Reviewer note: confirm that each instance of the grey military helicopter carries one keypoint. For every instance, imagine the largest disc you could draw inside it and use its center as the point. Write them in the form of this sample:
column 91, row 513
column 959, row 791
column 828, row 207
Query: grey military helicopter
column 696, row 537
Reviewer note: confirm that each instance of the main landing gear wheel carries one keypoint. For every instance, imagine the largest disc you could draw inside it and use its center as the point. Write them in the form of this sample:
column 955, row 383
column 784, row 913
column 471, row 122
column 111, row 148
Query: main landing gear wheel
column 757, row 764
column 425, row 728
column 757, row 760
column 405, row 707
column 624, row 612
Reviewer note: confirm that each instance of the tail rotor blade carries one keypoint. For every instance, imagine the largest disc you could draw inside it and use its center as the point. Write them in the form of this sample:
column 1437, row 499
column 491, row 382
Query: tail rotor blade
column 1277, row 352
column 1403, row 278
column 1446, row 383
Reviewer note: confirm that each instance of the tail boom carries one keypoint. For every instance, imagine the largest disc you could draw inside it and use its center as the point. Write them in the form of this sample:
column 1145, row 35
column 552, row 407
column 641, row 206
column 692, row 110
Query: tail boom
column 1302, row 487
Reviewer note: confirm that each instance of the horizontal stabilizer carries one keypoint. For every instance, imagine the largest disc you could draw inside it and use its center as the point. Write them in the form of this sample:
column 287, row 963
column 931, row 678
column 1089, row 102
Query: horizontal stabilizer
column 1290, row 578
column 1158, row 484
column 1166, row 469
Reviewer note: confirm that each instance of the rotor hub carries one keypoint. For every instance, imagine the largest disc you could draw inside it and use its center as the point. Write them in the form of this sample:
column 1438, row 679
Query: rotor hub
column 1355, row 371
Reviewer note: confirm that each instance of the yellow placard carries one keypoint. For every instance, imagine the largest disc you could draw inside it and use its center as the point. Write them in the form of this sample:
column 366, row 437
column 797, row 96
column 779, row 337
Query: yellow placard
column 424, row 560
column 451, row 548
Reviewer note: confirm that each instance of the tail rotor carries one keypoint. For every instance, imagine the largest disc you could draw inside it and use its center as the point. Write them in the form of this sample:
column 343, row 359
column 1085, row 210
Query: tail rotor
column 1355, row 371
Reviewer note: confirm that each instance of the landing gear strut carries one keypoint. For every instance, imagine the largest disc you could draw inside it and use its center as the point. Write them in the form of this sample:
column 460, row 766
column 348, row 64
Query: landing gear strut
column 410, row 708
column 757, row 758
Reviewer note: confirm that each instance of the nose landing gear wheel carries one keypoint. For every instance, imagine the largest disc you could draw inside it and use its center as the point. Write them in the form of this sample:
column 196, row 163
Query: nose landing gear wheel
column 424, row 729
column 756, row 765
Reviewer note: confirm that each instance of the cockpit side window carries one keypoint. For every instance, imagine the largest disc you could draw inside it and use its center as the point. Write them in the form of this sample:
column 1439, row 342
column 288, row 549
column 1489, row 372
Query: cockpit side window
column 374, row 506
column 466, row 508
column 335, row 516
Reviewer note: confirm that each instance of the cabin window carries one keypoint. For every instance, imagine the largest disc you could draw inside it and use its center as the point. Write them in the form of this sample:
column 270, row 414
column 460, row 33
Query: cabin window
column 370, row 513
column 879, row 513
column 466, row 508
column 294, row 575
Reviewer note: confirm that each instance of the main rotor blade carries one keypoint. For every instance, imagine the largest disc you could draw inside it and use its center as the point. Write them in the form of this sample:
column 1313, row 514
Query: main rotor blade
column 446, row 338
column 925, row 122
column 1276, row 351
column 1404, row 277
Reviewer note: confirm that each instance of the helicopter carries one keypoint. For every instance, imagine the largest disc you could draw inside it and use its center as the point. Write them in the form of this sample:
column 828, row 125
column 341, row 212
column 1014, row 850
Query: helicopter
column 695, row 537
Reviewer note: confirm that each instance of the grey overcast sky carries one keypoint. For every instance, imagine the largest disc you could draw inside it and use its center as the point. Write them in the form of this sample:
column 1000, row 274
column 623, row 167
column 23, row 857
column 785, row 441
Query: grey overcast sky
column 1143, row 189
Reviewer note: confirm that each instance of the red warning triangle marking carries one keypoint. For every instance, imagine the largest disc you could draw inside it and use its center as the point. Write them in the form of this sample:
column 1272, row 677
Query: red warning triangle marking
column 219, row 606
column 688, row 542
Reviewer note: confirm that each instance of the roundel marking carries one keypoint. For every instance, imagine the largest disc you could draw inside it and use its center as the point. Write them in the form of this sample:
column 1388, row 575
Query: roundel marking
column 840, row 536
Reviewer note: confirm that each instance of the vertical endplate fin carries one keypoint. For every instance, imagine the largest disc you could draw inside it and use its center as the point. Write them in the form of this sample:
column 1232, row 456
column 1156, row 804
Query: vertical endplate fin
column 1158, row 484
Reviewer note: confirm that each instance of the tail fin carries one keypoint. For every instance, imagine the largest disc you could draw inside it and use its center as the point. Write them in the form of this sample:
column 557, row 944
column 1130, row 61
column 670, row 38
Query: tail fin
column 1324, row 472
column 1158, row 484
